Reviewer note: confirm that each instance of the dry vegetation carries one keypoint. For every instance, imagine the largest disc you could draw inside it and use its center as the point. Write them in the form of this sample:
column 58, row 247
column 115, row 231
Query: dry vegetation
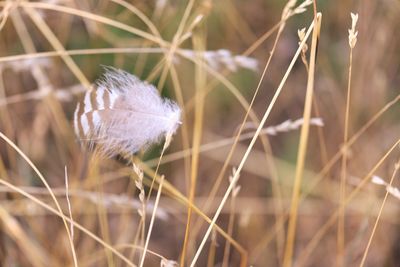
column 289, row 137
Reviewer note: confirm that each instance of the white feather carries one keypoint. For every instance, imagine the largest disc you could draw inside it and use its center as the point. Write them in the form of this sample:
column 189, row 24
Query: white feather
column 99, row 97
column 127, row 115
column 86, row 103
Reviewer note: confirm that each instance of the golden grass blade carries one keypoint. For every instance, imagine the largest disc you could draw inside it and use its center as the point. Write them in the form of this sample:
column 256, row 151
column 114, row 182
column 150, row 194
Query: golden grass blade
column 287, row 260
column 341, row 221
column 152, row 221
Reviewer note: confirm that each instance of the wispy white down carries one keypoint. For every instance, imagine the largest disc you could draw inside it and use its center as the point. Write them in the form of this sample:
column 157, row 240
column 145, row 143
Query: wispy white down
column 123, row 114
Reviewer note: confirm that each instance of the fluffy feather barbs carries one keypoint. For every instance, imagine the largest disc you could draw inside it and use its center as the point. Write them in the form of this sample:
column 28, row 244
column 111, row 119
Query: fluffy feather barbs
column 122, row 114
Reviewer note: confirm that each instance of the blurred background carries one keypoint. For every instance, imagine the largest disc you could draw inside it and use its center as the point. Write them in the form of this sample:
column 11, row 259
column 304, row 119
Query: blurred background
column 208, row 56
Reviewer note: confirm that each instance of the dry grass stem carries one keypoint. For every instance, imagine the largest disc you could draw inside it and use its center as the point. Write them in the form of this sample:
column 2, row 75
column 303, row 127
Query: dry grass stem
column 301, row 154
column 70, row 212
column 341, row 221
column 151, row 222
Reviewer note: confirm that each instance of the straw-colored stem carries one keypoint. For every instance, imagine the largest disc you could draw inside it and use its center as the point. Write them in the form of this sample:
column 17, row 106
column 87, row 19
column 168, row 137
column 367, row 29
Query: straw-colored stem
column 153, row 215
column 197, row 130
column 343, row 173
column 287, row 259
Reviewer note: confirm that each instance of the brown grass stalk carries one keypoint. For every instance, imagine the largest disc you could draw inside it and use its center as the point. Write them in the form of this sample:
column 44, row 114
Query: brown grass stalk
column 287, row 260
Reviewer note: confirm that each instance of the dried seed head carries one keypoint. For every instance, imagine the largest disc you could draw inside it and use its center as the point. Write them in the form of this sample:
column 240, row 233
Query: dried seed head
column 352, row 32
column 223, row 58
column 302, row 34
column 377, row 180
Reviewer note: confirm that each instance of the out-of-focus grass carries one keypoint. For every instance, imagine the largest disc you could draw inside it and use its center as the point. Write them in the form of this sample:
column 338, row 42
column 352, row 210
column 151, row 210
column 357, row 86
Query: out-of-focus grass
column 38, row 94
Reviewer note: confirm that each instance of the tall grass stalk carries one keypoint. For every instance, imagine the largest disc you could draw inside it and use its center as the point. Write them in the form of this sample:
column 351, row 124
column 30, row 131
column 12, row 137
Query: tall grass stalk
column 200, row 81
column 343, row 173
column 151, row 222
column 301, row 155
